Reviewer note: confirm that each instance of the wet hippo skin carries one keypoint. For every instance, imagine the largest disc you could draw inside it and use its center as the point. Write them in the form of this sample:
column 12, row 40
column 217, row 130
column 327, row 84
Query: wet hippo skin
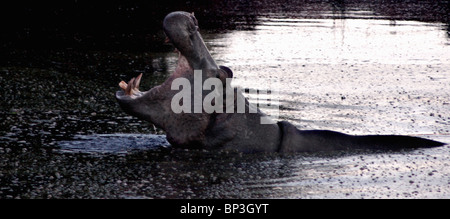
column 229, row 130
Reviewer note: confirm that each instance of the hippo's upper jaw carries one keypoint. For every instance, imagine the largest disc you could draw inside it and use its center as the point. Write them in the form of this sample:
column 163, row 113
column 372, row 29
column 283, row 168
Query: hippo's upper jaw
column 181, row 29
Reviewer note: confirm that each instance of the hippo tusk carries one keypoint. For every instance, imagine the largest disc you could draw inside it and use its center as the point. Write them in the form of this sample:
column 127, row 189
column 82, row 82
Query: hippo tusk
column 132, row 87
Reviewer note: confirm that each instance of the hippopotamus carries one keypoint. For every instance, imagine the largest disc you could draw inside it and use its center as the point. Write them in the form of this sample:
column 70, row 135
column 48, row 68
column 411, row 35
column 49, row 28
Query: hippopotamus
column 196, row 127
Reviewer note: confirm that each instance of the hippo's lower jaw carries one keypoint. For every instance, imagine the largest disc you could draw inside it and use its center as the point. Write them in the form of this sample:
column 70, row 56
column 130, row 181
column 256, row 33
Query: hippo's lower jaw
column 149, row 105
column 131, row 90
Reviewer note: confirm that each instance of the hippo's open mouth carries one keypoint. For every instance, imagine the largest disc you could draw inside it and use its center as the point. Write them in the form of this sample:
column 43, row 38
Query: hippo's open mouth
column 131, row 89
column 181, row 30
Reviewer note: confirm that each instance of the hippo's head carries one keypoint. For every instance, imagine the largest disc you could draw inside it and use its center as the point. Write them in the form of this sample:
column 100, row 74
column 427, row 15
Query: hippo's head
column 154, row 105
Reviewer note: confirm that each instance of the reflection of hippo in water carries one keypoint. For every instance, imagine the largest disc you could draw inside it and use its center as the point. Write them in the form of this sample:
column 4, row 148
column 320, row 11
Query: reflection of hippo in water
column 225, row 130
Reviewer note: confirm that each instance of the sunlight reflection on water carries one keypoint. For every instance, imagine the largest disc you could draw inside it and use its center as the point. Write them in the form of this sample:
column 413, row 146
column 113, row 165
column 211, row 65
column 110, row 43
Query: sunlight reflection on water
column 334, row 41
column 389, row 71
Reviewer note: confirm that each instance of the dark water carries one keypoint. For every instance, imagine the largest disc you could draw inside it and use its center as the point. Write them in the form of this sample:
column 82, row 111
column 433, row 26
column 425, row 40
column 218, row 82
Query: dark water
column 359, row 67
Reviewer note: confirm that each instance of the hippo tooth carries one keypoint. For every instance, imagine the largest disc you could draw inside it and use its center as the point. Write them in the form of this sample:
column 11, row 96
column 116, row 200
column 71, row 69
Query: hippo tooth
column 130, row 87
column 123, row 85
column 138, row 81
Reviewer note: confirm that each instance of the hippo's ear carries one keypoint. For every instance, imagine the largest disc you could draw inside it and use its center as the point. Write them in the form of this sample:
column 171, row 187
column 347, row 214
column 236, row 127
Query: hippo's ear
column 227, row 71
